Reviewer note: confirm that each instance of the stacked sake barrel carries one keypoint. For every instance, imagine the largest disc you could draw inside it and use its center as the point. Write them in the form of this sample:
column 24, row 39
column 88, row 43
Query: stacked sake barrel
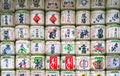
column 37, row 37
column 67, row 37
column 52, row 37
column 113, row 37
column 22, row 43
column 82, row 38
column 7, row 37
column 98, row 37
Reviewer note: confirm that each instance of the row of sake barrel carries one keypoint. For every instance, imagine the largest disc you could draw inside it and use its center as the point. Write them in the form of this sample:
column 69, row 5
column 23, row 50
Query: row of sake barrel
column 68, row 32
column 59, row 73
column 64, row 62
column 55, row 4
column 83, row 17
column 63, row 48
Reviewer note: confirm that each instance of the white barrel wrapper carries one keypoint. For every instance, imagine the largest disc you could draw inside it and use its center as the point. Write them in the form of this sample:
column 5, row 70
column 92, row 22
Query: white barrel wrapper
column 52, row 33
column 68, row 17
column 22, row 47
column 22, row 4
column 37, row 17
column 22, row 32
column 22, row 17
column 68, row 32
column 98, row 47
column 82, row 47
column 7, row 19
column 98, row 32
column 68, row 47
column 22, row 62
column 37, row 62
column 7, row 34
column 37, row 47
column 7, row 48
column 7, row 62
column 52, row 18
column 83, row 17
column 82, row 4
column 98, row 17
column 37, row 32
column 37, row 4
column 82, row 32
column 53, row 47
column 9, row 73
column 82, row 62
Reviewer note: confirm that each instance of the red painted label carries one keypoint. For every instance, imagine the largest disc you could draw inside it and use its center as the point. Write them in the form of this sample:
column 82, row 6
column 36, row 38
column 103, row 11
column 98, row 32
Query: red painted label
column 36, row 18
column 53, row 62
column 53, row 18
column 69, row 62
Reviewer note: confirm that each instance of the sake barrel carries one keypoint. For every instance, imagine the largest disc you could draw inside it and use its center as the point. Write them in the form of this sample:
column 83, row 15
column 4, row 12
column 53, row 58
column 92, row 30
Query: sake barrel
column 7, row 62
column 112, row 46
column 7, row 5
column 22, row 4
column 98, row 17
column 37, row 72
column 113, row 31
column 52, row 62
column 37, row 4
column 22, row 47
column 52, row 18
column 98, row 4
column 68, row 73
column 37, row 47
column 68, row 17
column 52, row 33
column 7, row 19
column 83, row 33
column 82, row 47
column 83, row 17
column 7, row 72
column 98, row 47
column 22, row 72
column 37, row 17
column 113, row 4
column 83, row 73
column 97, row 63
column 67, row 47
column 98, row 32
column 37, row 62
column 7, row 34
column 82, row 62
column 97, row 73
column 7, row 48
column 68, row 32
column 52, row 5
column 37, row 32
column 68, row 63
column 113, row 62
column 82, row 4
column 113, row 16
column 53, row 47
column 52, row 73
column 22, row 32
column 113, row 73
column 67, row 4
column 22, row 17
column 22, row 62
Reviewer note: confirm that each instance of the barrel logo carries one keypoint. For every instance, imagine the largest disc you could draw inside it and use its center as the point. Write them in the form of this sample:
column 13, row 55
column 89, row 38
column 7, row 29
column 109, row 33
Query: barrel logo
column 68, row 62
column 53, row 62
column 36, row 18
